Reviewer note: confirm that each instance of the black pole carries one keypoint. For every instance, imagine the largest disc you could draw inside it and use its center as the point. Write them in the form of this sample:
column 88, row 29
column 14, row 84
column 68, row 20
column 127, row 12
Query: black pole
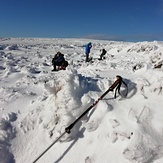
column 68, row 129
column 117, row 83
column 48, row 148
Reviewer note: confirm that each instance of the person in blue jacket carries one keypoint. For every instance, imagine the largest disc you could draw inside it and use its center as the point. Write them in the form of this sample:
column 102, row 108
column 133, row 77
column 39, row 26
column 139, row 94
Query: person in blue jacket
column 59, row 60
column 87, row 51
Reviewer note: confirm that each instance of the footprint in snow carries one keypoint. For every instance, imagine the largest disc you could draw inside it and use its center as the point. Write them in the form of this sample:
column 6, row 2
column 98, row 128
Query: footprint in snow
column 88, row 159
column 120, row 135
column 92, row 126
column 114, row 123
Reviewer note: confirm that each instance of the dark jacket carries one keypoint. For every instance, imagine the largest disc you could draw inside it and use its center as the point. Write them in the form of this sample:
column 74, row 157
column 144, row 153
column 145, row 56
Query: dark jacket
column 58, row 58
column 103, row 52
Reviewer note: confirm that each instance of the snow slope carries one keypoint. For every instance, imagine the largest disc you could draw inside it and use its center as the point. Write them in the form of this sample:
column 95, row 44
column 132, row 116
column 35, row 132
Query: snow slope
column 36, row 103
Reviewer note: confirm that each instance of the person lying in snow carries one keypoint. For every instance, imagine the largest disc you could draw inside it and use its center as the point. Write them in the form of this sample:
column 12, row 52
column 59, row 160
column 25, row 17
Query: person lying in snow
column 59, row 61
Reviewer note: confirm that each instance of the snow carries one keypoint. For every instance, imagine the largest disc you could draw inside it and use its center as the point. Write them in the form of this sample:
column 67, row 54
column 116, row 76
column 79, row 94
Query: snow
column 36, row 105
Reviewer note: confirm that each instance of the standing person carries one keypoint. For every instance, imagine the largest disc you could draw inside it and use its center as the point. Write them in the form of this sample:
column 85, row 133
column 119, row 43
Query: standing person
column 58, row 60
column 87, row 51
column 102, row 54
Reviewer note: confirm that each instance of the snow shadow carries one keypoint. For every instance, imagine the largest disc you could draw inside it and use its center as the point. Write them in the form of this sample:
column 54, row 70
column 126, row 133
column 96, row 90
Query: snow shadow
column 88, row 82
column 132, row 89
column 7, row 133
column 78, row 136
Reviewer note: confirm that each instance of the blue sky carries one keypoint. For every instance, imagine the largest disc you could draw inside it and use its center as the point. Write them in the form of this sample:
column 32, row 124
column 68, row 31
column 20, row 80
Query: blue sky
column 126, row 20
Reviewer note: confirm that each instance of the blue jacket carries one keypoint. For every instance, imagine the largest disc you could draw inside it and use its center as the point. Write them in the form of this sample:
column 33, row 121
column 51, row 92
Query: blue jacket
column 87, row 48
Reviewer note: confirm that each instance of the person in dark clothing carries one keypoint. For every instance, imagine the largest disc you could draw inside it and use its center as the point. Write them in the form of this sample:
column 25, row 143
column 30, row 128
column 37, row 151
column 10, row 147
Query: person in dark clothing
column 102, row 54
column 87, row 51
column 59, row 60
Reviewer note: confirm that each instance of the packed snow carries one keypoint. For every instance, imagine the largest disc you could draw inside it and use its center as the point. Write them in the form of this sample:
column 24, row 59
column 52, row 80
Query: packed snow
column 36, row 104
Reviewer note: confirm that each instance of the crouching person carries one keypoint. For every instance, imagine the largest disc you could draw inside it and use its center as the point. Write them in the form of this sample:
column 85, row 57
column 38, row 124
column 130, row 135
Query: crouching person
column 102, row 54
column 59, row 61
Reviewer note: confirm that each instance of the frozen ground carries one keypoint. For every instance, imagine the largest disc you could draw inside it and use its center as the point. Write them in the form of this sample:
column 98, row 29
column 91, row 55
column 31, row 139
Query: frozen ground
column 35, row 102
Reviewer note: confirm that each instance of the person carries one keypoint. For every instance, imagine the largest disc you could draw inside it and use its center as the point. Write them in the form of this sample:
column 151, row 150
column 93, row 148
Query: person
column 87, row 51
column 60, row 61
column 102, row 54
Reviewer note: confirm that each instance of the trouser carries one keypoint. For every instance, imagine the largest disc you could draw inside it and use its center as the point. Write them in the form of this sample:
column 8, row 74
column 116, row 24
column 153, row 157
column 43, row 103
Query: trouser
column 87, row 58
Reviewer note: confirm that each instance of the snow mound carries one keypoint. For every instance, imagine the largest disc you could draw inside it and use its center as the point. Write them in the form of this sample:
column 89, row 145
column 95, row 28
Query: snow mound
column 7, row 133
